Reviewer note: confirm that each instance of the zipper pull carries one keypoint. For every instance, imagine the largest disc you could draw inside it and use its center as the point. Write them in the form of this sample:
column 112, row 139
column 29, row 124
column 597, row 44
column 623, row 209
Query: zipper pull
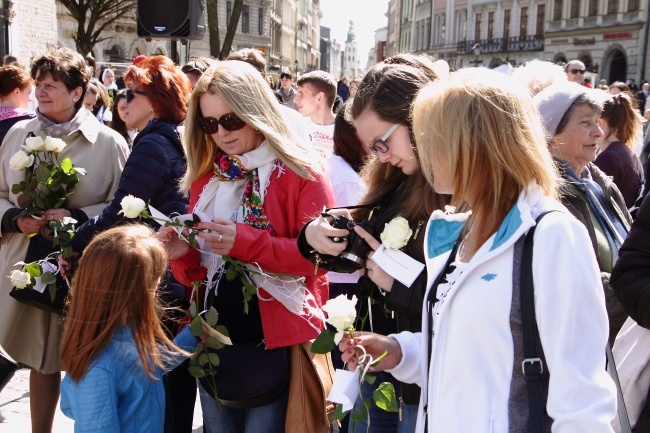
column 317, row 262
column 399, row 411
column 417, row 230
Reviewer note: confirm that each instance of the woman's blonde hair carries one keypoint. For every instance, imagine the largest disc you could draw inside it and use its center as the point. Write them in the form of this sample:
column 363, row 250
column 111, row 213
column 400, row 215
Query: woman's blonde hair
column 115, row 286
column 484, row 129
column 251, row 99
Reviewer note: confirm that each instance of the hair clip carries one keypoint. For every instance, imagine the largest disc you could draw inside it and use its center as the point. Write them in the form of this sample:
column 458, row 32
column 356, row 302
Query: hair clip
column 388, row 61
column 617, row 99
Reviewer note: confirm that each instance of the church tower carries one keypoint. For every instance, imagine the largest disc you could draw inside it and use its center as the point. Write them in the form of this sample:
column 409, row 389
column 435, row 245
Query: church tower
column 351, row 58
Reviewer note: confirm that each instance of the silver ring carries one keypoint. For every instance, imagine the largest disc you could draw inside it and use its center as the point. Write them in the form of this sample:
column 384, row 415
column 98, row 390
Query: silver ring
column 220, row 238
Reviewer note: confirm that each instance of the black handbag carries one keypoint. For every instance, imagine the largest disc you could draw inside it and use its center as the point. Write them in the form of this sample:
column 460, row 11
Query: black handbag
column 249, row 375
column 38, row 249
column 7, row 369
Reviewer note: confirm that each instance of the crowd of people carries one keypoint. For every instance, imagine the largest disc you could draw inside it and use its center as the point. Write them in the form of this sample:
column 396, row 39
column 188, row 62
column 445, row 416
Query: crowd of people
column 493, row 175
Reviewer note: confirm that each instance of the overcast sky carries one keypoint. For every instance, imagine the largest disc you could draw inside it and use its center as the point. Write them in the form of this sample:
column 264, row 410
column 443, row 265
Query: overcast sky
column 367, row 16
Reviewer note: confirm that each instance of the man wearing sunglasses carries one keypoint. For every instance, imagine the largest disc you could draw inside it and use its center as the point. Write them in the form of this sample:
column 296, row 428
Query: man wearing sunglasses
column 575, row 71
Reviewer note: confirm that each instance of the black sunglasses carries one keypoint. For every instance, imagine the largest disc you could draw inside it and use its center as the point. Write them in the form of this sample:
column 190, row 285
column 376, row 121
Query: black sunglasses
column 130, row 94
column 577, row 71
column 229, row 121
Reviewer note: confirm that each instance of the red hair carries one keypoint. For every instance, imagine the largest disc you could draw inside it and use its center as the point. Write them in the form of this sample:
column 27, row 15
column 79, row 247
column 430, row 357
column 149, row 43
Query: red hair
column 167, row 87
column 115, row 286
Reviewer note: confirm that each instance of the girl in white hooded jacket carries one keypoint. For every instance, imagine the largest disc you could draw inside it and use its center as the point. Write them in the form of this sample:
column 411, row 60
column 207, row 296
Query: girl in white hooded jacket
column 496, row 161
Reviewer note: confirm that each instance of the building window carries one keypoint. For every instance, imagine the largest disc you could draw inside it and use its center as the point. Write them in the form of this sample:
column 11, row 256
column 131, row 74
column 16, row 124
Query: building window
column 523, row 23
column 477, row 27
column 260, row 21
column 228, row 12
column 612, row 6
column 632, row 5
column 557, row 9
column 244, row 19
column 541, row 16
column 443, row 27
column 575, row 8
column 506, row 24
column 593, row 8
column 462, row 26
column 490, row 25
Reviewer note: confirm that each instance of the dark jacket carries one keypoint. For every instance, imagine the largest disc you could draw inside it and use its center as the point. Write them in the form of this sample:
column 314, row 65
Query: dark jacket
column 577, row 205
column 5, row 125
column 619, row 162
column 631, row 282
column 151, row 173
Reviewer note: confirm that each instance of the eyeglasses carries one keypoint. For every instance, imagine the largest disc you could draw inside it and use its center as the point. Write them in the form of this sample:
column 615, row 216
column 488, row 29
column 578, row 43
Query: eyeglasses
column 380, row 145
column 577, row 71
column 229, row 121
column 130, row 94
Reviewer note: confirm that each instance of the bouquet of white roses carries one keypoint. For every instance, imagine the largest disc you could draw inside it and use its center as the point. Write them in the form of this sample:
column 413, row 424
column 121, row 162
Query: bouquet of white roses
column 47, row 185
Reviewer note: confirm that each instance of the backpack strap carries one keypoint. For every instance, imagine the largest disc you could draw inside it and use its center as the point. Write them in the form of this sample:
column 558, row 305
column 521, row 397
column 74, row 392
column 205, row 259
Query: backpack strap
column 532, row 366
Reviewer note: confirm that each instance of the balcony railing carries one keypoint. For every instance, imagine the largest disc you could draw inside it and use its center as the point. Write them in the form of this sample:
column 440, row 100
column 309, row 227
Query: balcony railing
column 500, row 45
column 590, row 21
column 609, row 18
column 554, row 25
column 572, row 23
column 630, row 16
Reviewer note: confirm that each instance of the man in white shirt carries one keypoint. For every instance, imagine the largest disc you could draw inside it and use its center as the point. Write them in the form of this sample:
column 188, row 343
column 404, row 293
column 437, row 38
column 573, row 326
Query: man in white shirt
column 315, row 99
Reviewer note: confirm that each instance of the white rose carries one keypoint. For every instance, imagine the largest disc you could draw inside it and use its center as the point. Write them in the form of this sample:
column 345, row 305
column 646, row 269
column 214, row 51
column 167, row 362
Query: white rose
column 69, row 220
column 20, row 279
column 341, row 313
column 132, row 206
column 21, row 160
column 396, row 233
column 34, row 144
column 55, row 145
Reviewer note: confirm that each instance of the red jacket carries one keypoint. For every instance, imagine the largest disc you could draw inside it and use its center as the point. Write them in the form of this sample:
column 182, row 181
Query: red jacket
column 289, row 203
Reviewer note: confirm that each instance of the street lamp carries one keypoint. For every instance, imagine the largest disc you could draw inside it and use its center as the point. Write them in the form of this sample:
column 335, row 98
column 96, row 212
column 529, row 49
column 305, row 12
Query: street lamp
column 477, row 52
column 296, row 63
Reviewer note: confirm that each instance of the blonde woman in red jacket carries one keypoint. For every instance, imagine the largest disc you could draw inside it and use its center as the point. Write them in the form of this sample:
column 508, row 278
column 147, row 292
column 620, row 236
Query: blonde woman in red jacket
column 258, row 185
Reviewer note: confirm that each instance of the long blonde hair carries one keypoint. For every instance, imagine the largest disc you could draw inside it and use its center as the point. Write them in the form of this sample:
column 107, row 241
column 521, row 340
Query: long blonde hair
column 484, row 129
column 116, row 285
column 244, row 90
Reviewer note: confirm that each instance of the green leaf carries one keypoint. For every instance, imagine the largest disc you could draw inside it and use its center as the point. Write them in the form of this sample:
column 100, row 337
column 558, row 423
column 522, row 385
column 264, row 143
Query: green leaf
column 52, row 289
column 213, row 343
column 231, row 273
column 214, row 359
column 338, row 413
column 370, row 378
column 221, row 330
column 42, row 174
column 324, row 343
column 196, row 327
column 193, row 309
column 188, row 223
column 48, row 278
column 66, row 165
column 40, row 202
column 384, row 397
column 203, row 358
column 33, row 269
column 197, row 372
column 212, row 316
column 24, row 201
column 357, row 416
column 16, row 188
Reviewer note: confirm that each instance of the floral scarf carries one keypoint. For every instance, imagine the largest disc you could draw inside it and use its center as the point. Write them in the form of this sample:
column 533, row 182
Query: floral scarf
column 230, row 167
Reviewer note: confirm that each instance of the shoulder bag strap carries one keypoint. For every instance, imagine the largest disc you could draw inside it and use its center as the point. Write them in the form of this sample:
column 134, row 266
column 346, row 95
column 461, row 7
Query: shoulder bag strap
column 623, row 419
column 532, row 365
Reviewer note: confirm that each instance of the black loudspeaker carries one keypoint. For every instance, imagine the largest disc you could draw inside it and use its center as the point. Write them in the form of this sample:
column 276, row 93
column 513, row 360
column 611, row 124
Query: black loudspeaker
column 171, row 19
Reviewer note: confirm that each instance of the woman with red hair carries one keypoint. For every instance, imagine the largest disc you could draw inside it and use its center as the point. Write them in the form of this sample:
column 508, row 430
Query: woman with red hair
column 157, row 91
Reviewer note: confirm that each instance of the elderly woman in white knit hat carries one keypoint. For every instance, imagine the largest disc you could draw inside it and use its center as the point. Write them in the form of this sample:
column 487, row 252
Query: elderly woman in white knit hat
column 570, row 113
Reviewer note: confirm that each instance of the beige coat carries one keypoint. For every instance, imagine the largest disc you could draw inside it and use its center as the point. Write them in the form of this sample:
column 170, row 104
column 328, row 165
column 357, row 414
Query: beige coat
column 32, row 336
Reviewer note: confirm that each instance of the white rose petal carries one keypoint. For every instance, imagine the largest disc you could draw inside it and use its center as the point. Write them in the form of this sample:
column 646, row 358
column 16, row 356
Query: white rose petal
column 132, row 206
column 21, row 160
column 396, row 233
column 34, row 144
column 69, row 220
column 81, row 171
column 341, row 313
column 55, row 145
column 20, row 279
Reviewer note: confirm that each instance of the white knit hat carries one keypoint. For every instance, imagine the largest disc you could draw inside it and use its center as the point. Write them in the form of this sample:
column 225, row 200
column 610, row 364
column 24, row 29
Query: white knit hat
column 555, row 100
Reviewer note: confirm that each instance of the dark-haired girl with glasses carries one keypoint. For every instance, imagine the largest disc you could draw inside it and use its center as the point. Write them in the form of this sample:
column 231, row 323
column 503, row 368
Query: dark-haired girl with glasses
column 156, row 95
column 255, row 184
column 396, row 187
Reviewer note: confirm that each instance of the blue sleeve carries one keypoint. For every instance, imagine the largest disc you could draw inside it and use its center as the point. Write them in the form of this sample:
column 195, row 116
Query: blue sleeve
column 145, row 175
column 93, row 403
column 186, row 341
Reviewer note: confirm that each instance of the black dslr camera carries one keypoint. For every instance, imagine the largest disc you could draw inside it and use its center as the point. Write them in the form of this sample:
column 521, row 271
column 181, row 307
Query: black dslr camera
column 357, row 250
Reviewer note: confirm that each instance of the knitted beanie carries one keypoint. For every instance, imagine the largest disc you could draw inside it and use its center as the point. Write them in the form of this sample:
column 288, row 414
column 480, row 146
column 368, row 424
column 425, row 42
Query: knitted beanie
column 554, row 101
